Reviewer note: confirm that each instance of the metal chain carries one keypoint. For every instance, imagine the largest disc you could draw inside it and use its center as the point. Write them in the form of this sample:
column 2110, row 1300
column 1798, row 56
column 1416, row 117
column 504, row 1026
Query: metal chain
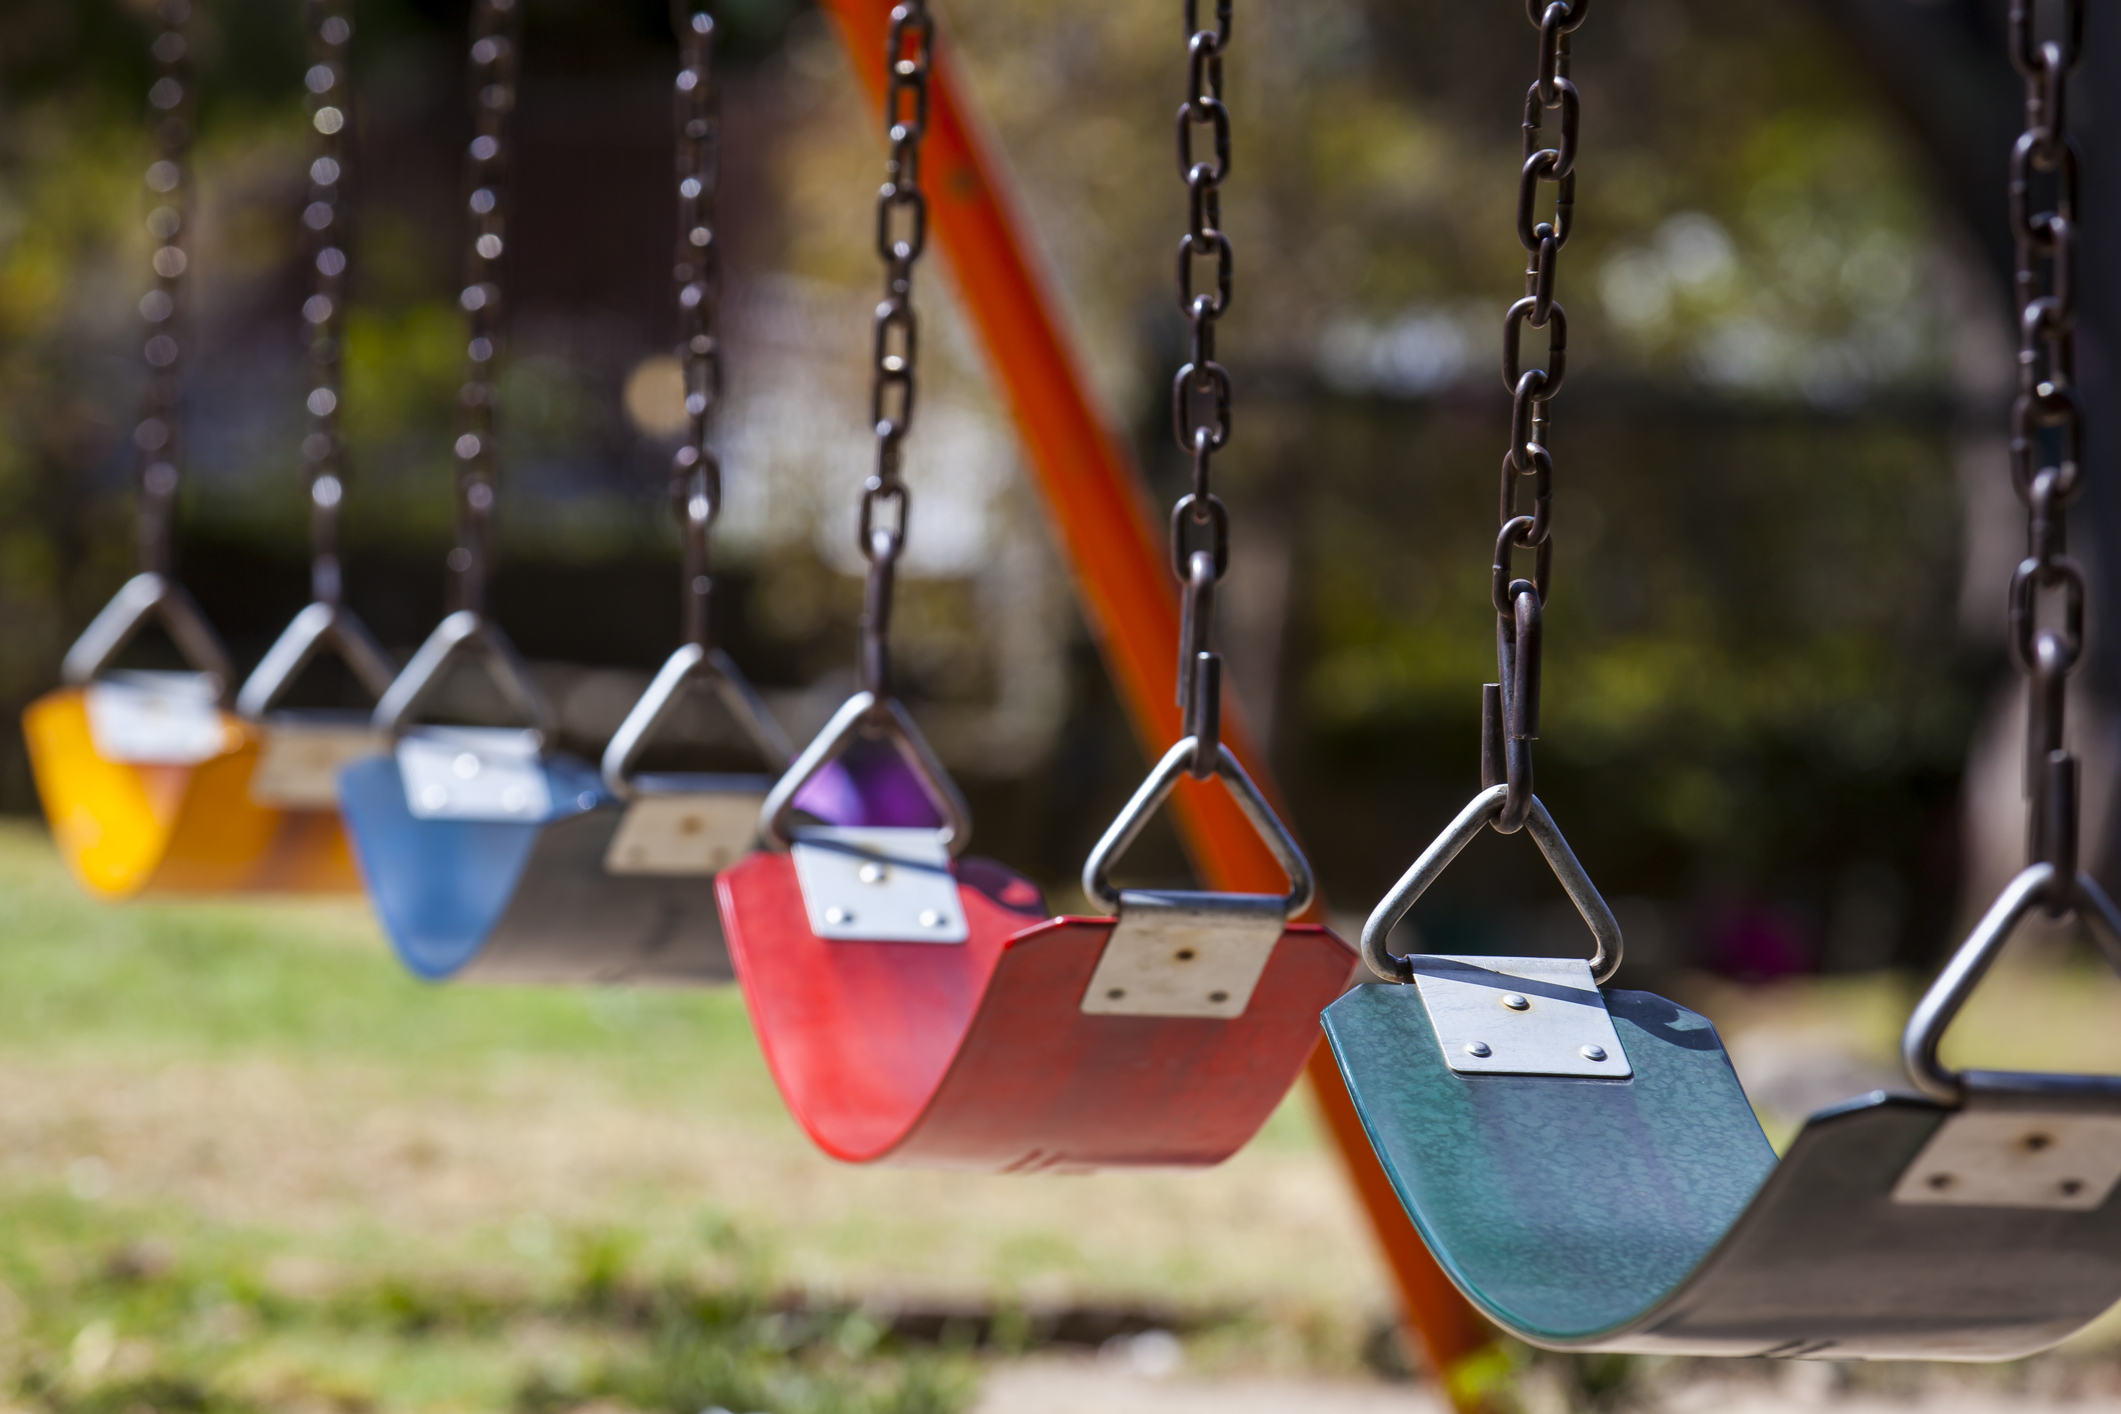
column 696, row 473
column 901, row 235
column 1200, row 390
column 2047, row 425
column 1510, row 708
column 159, row 437
column 496, row 25
column 329, row 101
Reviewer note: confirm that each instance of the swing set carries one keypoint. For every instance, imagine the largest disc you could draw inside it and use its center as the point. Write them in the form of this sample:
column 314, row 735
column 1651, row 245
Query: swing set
column 1576, row 1164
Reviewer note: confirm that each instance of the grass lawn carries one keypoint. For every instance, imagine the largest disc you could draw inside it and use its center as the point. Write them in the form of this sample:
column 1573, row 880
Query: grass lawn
column 247, row 1163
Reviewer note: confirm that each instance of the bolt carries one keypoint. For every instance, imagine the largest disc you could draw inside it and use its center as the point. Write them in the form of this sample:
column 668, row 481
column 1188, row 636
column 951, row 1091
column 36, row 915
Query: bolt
column 1938, row 1182
column 1592, row 1053
column 931, row 919
column 2071, row 1187
column 2035, row 1142
column 1185, row 954
column 1218, row 997
column 838, row 915
column 1115, row 994
column 1478, row 1050
column 870, row 873
column 1515, row 1001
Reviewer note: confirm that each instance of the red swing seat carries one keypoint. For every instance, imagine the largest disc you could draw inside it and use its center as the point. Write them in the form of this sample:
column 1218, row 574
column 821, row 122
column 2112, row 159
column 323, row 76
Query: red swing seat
column 980, row 1055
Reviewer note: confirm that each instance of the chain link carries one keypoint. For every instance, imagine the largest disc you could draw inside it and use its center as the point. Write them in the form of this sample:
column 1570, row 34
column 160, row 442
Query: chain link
column 901, row 236
column 495, row 47
column 1510, row 713
column 2047, row 424
column 1200, row 390
column 695, row 472
column 330, row 99
column 159, row 437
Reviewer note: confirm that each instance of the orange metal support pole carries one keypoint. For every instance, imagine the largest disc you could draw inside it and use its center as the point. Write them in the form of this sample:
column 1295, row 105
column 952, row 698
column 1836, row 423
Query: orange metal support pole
column 1098, row 505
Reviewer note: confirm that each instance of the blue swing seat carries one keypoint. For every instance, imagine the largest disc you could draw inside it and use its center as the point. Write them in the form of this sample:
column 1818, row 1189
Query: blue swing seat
column 526, row 900
column 487, row 857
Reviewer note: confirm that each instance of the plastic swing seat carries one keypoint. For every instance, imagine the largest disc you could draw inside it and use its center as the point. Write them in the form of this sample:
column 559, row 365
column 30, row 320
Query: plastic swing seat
column 489, row 860
column 149, row 783
column 918, row 1009
column 300, row 751
column 1632, row 1203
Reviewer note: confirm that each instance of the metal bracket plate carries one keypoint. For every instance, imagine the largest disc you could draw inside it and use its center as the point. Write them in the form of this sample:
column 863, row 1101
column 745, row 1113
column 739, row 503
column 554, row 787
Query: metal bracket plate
column 156, row 719
column 474, row 773
column 1185, row 954
column 301, row 754
column 702, row 830
column 1520, row 1016
column 878, row 885
column 2013, row 1158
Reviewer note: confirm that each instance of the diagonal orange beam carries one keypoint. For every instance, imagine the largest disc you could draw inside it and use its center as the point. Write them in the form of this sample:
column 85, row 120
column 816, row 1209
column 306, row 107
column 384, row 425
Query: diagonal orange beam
column 1099, row 507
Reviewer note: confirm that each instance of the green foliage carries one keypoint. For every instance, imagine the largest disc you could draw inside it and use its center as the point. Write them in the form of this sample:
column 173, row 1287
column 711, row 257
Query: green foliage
column 114, row 1310
column 222, row 980
column 1754, row 673
column 108, row 1307
column 725, row 1351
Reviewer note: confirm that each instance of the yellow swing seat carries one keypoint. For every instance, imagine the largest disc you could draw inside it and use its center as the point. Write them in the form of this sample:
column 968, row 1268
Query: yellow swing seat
column 130, row 825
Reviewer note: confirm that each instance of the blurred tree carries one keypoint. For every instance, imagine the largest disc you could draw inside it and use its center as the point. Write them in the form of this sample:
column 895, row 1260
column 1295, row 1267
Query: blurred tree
column 1785, row 321
column 1942, row 65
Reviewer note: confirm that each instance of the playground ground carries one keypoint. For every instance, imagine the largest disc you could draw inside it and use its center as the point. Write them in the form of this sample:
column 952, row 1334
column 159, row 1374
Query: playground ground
column 247, row 1165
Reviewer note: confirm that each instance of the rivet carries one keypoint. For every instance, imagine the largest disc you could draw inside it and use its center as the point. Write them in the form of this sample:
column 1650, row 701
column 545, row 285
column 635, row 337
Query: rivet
column 1218, row 997
column 1478, row 1050
column 870, row 873
column 2035, row 1142
column 513, row 799
column 1940, row 1181
column 1592, row 1053
column 1185, row 954
column 838, row 915
column 466, row 766
column 1515, row 1001
column 2071, row 1187
column 931, row 919
column 434, row 797
column 1115, row 994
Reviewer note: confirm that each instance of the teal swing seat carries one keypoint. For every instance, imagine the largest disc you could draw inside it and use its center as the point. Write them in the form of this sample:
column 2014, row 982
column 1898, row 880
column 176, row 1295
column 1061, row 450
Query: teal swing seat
column 1646, row 1212
column 1583, row 1163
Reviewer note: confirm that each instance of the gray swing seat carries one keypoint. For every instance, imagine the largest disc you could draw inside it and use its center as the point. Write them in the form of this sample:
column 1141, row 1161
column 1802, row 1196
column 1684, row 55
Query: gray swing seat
column 1632, row 1203
column 490, row 859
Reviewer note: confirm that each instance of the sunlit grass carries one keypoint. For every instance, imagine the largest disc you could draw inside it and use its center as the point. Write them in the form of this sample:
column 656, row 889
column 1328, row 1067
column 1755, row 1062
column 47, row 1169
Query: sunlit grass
column 115, row 1308
column 250, row 1163
column 296, row 981
column 247, row 1163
